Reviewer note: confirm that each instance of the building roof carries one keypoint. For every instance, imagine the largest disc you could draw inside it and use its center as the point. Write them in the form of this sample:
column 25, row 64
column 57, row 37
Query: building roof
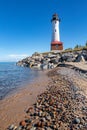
column 55, row 17
column 56, row 43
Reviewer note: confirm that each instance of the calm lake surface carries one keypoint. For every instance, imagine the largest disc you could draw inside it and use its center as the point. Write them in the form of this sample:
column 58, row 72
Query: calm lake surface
column 13, row 77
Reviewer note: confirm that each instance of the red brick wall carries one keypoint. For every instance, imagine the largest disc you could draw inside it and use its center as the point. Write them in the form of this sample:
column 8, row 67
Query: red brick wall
column 55, row 47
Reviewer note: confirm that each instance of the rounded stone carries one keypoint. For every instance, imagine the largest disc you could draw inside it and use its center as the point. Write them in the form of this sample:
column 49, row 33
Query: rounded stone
column 76, row 121
column 19, row 128
column 11, row 127
column 48, row 118
column 30, row 109
column 15, row 128
column 48, row 128
column 23, row 123
column 33, row 128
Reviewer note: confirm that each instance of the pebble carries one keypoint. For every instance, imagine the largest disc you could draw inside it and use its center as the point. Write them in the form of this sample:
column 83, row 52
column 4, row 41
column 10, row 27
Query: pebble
column 33, row 128
column 19, row 128
column 60, row 107
column 11, row 127
column 15, row 128
column 23, row 123
column 48, row 128
column 76, row 121
column 48, row 118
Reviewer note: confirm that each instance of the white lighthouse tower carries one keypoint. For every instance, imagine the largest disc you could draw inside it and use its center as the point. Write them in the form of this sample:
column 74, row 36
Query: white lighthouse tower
column 55, row 43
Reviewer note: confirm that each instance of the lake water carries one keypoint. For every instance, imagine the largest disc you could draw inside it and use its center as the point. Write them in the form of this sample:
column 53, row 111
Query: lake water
column 13, row 77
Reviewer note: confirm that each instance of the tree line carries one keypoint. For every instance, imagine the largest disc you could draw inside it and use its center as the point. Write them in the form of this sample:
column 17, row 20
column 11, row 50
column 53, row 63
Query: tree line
column 80, row 46
column 77, row 46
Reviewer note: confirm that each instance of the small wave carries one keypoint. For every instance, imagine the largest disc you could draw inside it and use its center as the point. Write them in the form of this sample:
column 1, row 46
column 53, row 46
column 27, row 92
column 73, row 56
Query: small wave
column 12, row 77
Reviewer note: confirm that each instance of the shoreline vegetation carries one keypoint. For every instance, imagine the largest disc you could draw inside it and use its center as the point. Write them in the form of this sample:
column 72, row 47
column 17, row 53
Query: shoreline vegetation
column 56, row 100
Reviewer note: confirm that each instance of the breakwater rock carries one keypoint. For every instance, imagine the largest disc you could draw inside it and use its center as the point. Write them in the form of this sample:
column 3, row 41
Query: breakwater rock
column 60, row 107
column 52, row 59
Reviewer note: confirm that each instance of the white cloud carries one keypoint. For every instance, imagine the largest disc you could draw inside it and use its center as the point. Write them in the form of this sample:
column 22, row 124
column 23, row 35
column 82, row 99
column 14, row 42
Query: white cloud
column 17, row 57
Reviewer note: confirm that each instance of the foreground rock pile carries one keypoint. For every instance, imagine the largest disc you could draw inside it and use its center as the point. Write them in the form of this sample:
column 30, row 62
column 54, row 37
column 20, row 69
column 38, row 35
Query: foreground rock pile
column 52, row 59
column 60, row 107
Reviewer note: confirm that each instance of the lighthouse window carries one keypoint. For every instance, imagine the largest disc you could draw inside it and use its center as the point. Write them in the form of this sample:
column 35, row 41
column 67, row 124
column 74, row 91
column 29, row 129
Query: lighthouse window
column 55, row 30
column 57, row 46
column 55, row 21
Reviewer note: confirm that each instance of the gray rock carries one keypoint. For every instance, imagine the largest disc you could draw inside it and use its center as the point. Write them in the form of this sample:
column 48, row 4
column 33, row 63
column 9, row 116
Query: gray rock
column 76, row 121
column 19, row 128
column 45, row 61
column 48, row 128
column 44, row 66
column 11, row 127
column 80, row 126
column 49, row 65
column 52, row 66
column 15, row 128
column 40, row 113
column 54, row 61
column 79, row 58
column 33, row 128
column 48, row 117
column 51, row 56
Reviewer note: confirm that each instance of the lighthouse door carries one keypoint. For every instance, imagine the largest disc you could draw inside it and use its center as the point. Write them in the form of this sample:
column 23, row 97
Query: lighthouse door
column 57, row 46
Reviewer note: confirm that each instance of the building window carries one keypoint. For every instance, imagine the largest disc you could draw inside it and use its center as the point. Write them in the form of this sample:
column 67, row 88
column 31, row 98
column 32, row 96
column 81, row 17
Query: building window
column 56, row 46
column 55, row 30
column 55, row 21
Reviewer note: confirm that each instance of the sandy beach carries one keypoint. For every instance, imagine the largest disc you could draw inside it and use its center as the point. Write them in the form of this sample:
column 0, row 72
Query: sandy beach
column 63, row 89
column 13, row 108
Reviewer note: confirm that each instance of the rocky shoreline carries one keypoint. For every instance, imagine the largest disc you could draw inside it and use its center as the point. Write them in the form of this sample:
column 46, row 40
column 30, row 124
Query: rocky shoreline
column 62, row 106
column 78, row 69
column 50, row 60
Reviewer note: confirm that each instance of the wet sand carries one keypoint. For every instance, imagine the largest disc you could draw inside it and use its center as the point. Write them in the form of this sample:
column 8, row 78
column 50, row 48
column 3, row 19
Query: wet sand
column 13, row 108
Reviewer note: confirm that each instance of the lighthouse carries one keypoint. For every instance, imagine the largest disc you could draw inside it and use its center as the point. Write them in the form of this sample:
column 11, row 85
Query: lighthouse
column 56, row 44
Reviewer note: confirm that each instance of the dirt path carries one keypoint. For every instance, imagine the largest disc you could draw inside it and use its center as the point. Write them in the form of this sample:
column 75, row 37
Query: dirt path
column 81, row 65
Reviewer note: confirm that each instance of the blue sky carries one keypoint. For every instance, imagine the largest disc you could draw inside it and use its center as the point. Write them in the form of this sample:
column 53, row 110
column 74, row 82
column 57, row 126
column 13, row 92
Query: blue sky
column 25, row 26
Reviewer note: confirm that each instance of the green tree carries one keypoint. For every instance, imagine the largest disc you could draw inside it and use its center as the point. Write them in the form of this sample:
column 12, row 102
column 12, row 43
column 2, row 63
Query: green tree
column 77, row 46
column 86, row 44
